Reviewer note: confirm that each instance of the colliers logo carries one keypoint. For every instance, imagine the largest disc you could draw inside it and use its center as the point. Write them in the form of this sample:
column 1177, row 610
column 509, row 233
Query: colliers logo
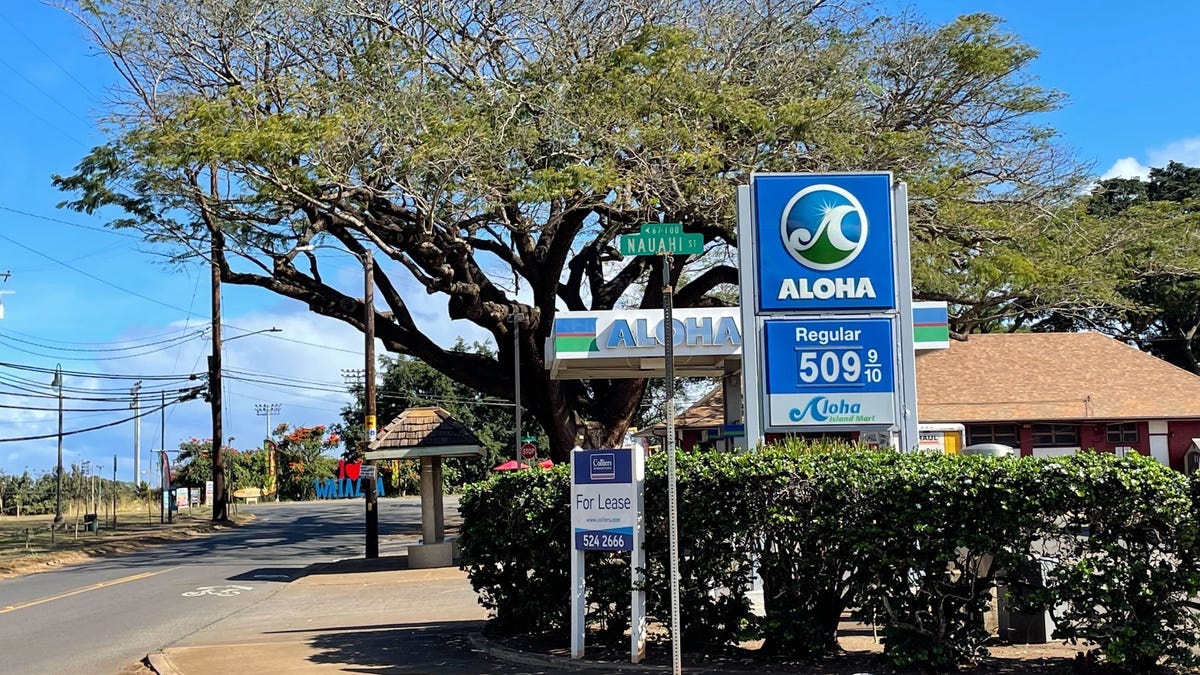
column 603, row 467
column 824, row 227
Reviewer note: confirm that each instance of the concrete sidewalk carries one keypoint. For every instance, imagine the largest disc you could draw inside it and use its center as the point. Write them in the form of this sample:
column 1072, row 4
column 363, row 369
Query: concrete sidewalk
column 356, row 615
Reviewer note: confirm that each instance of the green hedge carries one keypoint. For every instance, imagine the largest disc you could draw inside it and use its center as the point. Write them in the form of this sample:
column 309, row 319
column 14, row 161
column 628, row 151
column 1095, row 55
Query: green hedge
column 911, row 543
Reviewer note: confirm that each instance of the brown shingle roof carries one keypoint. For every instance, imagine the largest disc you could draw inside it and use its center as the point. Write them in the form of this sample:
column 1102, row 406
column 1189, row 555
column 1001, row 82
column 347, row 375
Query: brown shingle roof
column 425, row 432
column 708, row 412
column 1049, row 376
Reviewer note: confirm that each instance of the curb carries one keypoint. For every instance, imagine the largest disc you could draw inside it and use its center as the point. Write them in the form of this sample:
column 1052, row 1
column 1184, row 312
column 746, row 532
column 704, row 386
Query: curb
column 509, row 655
column 501, row 653
column 160, row 663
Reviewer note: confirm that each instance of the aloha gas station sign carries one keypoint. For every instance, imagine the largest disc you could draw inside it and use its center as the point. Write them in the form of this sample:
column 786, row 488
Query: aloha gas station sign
column 827, row 305
column 708, row 341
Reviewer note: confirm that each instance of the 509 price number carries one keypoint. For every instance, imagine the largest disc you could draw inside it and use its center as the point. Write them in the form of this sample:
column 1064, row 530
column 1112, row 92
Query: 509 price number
column 839, row 366
column 610, row 542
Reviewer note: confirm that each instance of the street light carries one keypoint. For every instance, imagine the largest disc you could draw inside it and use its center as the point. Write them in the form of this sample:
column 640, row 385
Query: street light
column 372, row 512
column 58, row 383
column 220, row 498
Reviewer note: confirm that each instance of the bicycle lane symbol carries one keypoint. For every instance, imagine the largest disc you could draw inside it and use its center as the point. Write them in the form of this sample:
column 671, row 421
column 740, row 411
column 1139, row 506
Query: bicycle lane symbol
column 219, row 591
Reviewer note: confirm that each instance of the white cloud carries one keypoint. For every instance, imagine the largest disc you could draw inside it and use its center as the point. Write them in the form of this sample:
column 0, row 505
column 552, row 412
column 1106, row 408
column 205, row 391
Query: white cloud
column 1126, row 167
column 1185, row 151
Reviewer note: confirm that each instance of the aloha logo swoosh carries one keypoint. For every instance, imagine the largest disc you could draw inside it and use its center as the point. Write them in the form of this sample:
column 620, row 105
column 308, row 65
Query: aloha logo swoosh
column 819, row 408
column 824, row 227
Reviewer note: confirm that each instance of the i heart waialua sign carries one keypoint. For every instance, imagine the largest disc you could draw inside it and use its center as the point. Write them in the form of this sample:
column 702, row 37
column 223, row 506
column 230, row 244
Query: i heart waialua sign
column 349, row 470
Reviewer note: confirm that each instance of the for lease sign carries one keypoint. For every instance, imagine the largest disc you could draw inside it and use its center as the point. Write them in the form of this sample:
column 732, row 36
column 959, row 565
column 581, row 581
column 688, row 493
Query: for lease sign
column 603, row 500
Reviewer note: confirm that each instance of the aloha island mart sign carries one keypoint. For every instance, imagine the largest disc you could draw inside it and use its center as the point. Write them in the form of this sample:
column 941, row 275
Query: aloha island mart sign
column 826, row 301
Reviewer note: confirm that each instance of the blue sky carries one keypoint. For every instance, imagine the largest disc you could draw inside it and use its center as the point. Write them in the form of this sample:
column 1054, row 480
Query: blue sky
column 76, row 288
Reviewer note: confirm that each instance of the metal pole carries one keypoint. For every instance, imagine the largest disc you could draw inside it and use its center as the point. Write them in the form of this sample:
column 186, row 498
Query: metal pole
column 372, row 494
column 58, row 482
column 669, row 353
column 137, row 430
column 516, row 317
column 115, row 491
column 220, row 498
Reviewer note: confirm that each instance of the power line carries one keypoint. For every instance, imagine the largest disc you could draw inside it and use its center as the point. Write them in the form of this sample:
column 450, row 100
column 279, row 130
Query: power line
column 153, row 336
column 79, row 373
column 93, row 428
column 89, row 359
column 69, row 223
column 17, row 29
column 171, row 341
column 91, row 276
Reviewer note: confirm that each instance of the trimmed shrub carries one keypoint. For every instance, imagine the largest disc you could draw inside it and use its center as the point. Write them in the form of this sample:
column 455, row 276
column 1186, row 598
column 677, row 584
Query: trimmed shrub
column 913, row 543
column 942, row 528
column 1119, row 547
column 514, row 543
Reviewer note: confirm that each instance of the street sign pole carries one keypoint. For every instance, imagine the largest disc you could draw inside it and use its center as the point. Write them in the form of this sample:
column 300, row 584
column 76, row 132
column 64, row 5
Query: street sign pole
column 672, row 504
column 665, row 240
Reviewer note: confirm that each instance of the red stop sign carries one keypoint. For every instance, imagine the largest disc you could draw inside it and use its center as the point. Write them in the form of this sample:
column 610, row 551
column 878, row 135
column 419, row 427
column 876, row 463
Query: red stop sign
column 528, row 451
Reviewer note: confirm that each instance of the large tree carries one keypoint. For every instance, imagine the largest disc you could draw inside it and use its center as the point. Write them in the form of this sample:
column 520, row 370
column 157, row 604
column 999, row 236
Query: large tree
column 494, row 151
column 1158, row 222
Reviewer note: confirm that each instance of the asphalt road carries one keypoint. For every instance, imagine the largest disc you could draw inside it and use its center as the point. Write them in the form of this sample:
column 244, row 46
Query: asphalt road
column 104, row 616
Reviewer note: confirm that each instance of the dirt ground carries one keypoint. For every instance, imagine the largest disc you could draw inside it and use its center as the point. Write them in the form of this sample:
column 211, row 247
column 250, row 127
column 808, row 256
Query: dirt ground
column 862, row 655
column 26, row 545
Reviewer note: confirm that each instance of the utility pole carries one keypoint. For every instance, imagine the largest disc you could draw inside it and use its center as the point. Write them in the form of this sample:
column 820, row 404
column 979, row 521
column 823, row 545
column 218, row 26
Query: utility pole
column 372, row 515
column 220, row 509
column 4, row 277
column 267, row 409
column 516, row 319
column 58, row 382
column 162, row 441
column 137, row 430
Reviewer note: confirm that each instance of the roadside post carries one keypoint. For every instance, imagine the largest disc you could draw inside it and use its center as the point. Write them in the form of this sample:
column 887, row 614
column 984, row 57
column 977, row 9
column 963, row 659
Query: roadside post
column 607, row 515
column 666, row 240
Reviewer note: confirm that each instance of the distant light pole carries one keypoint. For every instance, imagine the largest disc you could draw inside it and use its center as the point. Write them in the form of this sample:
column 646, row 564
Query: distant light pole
column 137, row 429
column 372, row 493
column 58, row 383
column 267, row 409
column 518, row 317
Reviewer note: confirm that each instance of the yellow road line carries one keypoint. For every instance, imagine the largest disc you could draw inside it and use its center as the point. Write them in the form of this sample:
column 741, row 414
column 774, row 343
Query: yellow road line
column 85, row 589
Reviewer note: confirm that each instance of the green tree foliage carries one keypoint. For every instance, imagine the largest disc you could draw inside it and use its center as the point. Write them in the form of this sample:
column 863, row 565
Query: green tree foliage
column 1156, row 222
column 407, row 382
column 193, row 465
column 305, row 456
column 490, row 153
column 17, row 494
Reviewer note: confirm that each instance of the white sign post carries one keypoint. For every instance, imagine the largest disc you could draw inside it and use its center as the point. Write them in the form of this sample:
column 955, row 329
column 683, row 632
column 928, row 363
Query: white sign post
column 606, row 515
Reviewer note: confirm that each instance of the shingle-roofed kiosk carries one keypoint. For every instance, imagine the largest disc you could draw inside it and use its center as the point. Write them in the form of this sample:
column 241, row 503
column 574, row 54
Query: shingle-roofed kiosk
column 427, row 434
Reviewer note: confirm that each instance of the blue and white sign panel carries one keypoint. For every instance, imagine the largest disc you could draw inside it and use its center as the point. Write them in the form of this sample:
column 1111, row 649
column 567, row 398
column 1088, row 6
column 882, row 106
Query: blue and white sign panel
column 824, row 242
column 829, row 372
column 603, row 499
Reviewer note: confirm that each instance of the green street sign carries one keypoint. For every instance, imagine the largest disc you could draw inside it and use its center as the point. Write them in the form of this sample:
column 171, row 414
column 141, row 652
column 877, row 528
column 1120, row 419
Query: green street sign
column 656, row 238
